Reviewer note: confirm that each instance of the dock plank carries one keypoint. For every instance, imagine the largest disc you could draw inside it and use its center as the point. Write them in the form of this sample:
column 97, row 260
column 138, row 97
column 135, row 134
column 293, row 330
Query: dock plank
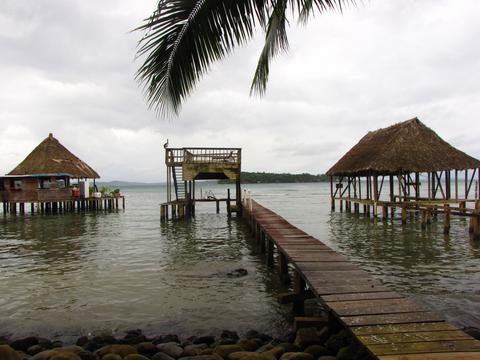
column 360, row 296
column 403, row 328
column 434, row 356
column 391, row 326
column 374, row 306
column 424, row 336
column 425, row 347
column 391, row 318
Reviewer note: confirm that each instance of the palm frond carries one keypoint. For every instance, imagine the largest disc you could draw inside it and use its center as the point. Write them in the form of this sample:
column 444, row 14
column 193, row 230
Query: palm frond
column 183, row 37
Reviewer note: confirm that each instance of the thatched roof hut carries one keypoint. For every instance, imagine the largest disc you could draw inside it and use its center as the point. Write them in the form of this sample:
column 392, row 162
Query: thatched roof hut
column 51, row 157
column 406, row 147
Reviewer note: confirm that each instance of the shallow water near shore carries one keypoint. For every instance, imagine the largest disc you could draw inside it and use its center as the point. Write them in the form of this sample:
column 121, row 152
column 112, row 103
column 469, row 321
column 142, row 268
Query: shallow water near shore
column 72, row 274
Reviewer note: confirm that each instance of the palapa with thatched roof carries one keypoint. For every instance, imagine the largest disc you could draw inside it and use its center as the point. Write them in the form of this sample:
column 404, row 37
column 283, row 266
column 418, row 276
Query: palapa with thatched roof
column 51, row 157
column 43, row 178
column 406, row 147
column 401, row 155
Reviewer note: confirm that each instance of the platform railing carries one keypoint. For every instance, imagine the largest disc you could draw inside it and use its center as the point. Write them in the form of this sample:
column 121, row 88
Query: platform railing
column 179, row 156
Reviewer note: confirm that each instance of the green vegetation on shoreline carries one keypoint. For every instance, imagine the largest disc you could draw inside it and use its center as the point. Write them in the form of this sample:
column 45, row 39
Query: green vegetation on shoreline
column 268, row 178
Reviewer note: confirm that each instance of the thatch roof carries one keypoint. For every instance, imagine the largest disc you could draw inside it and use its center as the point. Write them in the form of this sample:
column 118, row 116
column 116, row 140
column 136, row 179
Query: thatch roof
column 51, row 157
column 409, row 146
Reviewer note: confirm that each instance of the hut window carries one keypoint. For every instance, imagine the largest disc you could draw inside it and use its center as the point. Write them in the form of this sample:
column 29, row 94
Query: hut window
column 61, row 184
column 44, row 184
column 16, row 184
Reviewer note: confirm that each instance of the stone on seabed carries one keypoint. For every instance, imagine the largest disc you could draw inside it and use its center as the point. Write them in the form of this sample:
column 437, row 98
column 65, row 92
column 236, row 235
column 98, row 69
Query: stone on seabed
column 122, row 350
column 7, row 353
column 171, row 349
column 297, row 356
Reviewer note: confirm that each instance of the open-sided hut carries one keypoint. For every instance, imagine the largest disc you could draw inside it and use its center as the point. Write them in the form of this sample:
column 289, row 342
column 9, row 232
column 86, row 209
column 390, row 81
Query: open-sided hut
column 404, row 155
column 44, row 176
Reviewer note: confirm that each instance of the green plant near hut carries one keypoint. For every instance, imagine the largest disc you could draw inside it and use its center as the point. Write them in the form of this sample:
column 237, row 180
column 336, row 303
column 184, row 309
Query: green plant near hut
column 184, row 37
column 105, row 190
column 116, row 192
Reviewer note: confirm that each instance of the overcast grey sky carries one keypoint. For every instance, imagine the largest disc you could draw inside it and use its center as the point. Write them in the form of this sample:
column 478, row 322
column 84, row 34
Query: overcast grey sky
column 67, row 67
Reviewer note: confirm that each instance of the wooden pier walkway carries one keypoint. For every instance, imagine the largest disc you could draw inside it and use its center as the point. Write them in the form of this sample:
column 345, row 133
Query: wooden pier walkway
column 388, row 324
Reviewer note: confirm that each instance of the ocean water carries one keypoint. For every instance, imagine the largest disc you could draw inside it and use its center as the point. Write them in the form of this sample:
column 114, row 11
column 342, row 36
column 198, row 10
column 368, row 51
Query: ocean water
column 72, row 274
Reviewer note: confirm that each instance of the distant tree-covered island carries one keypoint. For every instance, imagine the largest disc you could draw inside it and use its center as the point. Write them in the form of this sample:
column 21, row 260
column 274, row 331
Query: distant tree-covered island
column 266, row 178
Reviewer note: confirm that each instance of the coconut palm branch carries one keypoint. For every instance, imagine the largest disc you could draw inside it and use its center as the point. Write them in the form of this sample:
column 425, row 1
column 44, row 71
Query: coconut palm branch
column 182, row 38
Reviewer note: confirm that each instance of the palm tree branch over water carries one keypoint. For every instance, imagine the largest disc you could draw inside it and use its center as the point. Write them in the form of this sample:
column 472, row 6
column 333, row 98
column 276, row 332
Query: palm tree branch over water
column 182, row 38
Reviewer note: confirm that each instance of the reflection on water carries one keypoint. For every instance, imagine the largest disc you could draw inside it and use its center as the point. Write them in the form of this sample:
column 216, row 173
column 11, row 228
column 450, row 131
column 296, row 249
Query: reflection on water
column 77, row 273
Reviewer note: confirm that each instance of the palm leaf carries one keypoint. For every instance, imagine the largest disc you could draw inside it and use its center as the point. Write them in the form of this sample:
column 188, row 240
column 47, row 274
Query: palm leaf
column 182, row 38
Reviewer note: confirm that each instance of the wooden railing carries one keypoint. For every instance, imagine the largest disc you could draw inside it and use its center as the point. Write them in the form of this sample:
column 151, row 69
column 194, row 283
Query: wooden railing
column 179, row 156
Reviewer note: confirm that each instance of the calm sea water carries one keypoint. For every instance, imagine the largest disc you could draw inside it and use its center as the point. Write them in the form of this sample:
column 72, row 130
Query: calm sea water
column 71, row 274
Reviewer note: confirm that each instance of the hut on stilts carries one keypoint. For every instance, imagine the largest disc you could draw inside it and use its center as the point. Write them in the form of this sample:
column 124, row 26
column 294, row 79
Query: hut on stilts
column 44, row 179
column 407, row 166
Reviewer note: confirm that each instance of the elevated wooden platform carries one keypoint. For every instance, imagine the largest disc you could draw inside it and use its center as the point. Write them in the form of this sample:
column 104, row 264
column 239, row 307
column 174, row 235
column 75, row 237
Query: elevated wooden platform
column 388, row 324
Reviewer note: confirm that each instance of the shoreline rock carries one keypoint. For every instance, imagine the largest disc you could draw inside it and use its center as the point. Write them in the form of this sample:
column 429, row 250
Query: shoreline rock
column 305, row 344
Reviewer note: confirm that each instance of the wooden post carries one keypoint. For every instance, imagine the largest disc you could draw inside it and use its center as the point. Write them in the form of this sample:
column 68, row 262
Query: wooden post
column 269, row 252
column 446, row 219
column 218, row 206
column 162, row 212
column 283, row 267
column 429, row 216
column 404, row 215
column 384, row 212
column 263, row 239
column 332, row 198
column 298, row 288
column 424, row 219
column 228, row 203
column 341, row 205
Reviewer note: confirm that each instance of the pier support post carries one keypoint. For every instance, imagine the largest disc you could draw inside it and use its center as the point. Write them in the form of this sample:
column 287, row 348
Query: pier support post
column 424, row 219
column 283, row 267
column 446, row 219
column 298, row 288
column 404, row 215
column 263, row 239
column 384, row 212
column 269, row 252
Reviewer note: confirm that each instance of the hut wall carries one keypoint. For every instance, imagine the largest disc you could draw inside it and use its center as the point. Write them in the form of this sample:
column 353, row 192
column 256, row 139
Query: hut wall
column 29, row 191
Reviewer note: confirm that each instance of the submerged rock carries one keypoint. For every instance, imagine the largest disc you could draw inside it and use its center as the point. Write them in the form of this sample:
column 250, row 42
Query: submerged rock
column 297, row 356
column 122, row 350
column 237, row 273
column 8, row 353
column 171, row 349
column 24, row 344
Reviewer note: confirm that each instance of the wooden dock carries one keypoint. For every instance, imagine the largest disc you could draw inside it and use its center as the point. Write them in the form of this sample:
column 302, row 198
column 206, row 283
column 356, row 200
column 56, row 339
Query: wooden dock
column 69, row 204
column 388, row 324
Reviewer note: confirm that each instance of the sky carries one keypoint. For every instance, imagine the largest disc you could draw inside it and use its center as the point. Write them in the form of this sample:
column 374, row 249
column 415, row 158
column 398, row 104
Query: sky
column 68, row 67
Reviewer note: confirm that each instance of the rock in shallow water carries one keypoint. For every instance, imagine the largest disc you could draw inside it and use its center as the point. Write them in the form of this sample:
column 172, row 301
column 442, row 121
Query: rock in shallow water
column 171, row 349
column 297, row 356
column 122, row 350
column 24, row 344
column 8, row 353
column 162, row 356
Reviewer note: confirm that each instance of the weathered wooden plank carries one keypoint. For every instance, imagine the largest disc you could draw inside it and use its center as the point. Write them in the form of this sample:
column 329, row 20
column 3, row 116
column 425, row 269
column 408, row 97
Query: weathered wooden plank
column 334, row 274
column 323, row 289
column 391, row 318
column 321, row 266
column 434, row 356
column 423, row 336
column 400, row 328
column 372, row 307
column 425, row 347
column 365, row 296
column 325, row 256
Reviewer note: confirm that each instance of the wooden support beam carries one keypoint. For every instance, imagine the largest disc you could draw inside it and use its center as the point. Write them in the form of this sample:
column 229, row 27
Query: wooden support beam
column 283, row 267
column 291, row 297
column 446, row 219
column 309, row 322
column 269, row 252
column 404, row 215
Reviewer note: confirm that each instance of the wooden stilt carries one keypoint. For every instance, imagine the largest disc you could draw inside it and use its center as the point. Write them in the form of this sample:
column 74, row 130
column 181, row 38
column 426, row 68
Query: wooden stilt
column 404, row 215
column 446, row 219
column 283, row 268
